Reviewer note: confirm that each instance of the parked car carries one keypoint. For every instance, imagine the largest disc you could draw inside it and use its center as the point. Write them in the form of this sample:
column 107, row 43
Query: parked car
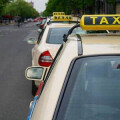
column 50, row 39
column 41, row 23
column 83, row 82
column 30, row 20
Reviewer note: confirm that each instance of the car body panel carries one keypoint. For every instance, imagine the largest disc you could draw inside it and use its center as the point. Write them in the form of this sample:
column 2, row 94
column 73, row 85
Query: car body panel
column 100, row 44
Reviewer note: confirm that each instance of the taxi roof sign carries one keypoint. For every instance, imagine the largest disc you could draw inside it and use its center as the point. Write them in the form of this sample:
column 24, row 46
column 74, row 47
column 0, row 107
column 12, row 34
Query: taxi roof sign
column 62, row 18
column 58, row 13
column 100, row 22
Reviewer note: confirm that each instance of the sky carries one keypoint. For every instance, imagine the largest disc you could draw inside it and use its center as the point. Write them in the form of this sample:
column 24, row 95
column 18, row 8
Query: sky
column 39, row 5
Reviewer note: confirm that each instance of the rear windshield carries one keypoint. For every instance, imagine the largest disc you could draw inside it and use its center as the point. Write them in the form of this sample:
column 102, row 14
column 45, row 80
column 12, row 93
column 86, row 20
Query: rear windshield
column 55, row 35
column 93, row 90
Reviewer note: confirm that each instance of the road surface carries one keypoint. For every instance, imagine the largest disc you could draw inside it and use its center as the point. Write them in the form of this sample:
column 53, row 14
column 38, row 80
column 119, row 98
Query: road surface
column 15, row 56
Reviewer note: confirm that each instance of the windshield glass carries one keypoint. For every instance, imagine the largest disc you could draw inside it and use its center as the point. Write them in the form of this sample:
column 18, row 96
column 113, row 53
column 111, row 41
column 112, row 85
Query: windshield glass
column 93, row 90
column 55, row 35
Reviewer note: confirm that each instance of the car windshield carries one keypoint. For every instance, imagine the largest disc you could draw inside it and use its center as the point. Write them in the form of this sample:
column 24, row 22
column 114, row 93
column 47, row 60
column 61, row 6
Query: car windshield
column 93, row 90
column 55, row 35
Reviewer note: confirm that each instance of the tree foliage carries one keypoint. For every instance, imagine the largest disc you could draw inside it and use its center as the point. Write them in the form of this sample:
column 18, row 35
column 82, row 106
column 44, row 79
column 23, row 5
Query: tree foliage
column 111, row 1
column 3, row 4
column 20, row 8
column 67, row 6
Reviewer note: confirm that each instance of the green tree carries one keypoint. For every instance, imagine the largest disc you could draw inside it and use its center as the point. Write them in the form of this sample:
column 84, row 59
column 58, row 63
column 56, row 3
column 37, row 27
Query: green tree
column 20, row 8
column 111, row 1
column 67, row 6
column 3, row 4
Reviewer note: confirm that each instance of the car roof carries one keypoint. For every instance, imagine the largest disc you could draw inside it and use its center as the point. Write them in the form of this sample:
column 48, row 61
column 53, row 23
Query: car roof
column 53, row 25
column 96, row 44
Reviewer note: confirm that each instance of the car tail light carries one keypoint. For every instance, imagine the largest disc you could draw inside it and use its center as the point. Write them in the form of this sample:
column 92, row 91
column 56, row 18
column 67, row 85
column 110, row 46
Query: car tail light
column 45, row 59
column 42, row 25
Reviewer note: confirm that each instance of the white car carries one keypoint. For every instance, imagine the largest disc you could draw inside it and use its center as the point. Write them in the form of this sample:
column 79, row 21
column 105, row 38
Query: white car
column 83, row 83
column 50, row 39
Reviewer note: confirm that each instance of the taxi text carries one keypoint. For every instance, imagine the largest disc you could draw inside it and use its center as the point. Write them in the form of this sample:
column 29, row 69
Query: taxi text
column 62, row 18
column 102, row 20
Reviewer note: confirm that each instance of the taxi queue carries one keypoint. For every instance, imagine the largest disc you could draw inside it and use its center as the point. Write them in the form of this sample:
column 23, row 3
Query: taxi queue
column 50, row 40
column 83, row 81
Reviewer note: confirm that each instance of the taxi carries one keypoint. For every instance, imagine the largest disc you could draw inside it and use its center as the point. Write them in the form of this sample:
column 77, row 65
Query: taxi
column 41, row 23
column 50, row 39
column 83, row 82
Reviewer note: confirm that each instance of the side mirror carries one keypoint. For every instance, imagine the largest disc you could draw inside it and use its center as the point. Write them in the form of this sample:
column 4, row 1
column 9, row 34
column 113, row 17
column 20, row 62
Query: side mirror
column 39, row 30
column 32, row 40
column 35, row 73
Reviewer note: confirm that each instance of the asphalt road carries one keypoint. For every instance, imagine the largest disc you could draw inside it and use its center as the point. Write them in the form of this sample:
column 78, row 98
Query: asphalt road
column 15, row 56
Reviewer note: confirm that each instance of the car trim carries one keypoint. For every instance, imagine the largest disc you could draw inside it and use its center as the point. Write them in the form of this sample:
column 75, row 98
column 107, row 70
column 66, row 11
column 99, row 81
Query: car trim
column 34, row 101
column 67, row 79
column 80, row 49
column 40, row 35
column 45, row 74
column 63, row 90
column 32, row 108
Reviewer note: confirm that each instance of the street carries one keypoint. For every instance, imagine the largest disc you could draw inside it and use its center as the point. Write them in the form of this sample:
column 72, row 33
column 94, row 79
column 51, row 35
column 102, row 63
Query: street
column 15, row 56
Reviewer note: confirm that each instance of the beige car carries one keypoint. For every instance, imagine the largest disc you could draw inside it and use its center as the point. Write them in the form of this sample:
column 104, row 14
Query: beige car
column 83, row 83
column 50, row 39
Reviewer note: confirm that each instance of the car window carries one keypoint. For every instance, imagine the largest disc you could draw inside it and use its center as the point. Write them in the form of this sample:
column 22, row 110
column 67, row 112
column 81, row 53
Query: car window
column 92, row 91
column 55, row 35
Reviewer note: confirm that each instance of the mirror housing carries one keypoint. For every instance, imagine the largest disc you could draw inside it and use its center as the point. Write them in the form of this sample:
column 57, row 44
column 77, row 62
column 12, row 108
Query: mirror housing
column 35, row 73
column 64, row 36
column 39, row 30
column 31, row 40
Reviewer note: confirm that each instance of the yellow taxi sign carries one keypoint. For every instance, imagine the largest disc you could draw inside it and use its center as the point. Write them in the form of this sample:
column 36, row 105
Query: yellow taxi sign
column 100, row 22
column 62, row 18
column 58, row 13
